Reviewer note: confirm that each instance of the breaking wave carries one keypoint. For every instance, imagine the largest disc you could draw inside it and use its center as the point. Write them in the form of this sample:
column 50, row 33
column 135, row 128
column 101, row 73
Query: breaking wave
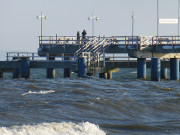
column 84, row 128
column 39, row 92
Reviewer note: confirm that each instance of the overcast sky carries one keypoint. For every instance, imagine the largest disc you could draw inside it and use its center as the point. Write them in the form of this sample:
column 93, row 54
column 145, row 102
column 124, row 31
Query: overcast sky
column 19, row 27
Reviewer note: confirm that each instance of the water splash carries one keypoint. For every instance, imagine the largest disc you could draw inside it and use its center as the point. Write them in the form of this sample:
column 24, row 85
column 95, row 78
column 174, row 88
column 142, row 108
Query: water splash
column 63, row 128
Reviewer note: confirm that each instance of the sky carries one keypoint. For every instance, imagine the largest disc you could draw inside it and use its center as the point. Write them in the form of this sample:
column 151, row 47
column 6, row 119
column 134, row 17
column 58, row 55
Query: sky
column 20, row 28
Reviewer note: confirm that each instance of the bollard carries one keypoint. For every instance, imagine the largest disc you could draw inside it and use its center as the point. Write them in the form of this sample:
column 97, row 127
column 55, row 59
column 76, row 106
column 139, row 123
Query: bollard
column 81, row 67
column 174, row 69
column 141, row 69
column 155, row 69
column 51, row 71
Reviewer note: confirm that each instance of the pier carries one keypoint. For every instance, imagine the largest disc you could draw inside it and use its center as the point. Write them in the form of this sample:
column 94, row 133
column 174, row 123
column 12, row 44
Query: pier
column 99, row 55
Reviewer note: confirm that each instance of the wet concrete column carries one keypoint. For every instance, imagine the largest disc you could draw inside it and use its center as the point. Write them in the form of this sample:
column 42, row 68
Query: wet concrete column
column 25, row 70
column 67, row 71
column 155, row 69
column 51, row 73
column 103, row 75
column 141, row 69
column 164, row 73
column 81, row 66
column 109, row 75
column 16, row 73
column 1, row 74
column 174, row 69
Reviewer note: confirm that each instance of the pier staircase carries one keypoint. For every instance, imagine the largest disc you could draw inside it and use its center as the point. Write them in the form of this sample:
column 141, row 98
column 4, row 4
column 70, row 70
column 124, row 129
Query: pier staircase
column 94, row 46
column 92, row 51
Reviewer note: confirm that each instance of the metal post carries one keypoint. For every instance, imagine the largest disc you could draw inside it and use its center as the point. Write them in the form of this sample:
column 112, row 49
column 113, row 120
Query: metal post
column 133, row 17
column 93, row 17
column 41, row 17
column 178, row 18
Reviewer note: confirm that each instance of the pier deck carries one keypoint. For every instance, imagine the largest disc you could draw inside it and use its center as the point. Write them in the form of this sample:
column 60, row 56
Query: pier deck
column 98, row 55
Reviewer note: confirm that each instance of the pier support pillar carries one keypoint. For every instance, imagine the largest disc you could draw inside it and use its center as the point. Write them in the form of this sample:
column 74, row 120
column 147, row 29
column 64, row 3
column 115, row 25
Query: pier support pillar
column 67, row 71
column 174, row 69
column 16, row 73
column 81, row 66
column 164, row 73
column 155, row 69
column 1, row 74
column 103, row 75
column 25, row 70
column 109, row 75
column 141, row 69
column 89, row 74
column 51, row 71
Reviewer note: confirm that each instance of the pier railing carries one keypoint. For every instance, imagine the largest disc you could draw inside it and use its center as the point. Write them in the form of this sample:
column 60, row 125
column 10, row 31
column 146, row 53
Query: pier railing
column 116, row 40
column 62, row 40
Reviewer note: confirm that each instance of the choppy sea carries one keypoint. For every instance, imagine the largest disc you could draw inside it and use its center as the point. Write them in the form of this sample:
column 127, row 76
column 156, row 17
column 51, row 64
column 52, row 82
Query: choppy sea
column 88, row 106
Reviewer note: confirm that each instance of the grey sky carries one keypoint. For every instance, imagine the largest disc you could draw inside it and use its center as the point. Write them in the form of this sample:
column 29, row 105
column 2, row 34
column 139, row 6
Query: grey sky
column 19, row 27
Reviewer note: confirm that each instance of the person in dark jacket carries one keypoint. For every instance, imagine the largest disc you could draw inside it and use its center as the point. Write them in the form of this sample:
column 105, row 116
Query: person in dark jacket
column 84, row 35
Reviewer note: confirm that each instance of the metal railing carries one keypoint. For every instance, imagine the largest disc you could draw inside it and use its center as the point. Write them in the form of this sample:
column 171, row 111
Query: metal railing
column 11, row 55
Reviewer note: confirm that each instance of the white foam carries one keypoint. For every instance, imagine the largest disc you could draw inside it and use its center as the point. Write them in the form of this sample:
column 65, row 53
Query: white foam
column 39, row 92
column 63, row 128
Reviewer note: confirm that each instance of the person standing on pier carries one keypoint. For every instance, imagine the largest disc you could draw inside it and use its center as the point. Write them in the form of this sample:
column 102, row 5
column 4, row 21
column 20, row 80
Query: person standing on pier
column 84, row 36
column 78, row 37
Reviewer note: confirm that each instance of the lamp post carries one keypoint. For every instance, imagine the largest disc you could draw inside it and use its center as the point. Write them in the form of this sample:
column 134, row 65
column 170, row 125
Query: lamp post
column 93, row 17
column 157, row 17
column 178, row 17
column 41, row 17
column 133, row 17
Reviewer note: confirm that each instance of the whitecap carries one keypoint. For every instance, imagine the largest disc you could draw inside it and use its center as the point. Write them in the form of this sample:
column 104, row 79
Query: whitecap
column 38, row 92
column 64, row 128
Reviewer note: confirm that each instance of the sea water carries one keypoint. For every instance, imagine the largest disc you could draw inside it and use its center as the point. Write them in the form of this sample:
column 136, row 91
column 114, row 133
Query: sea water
column 88, row 106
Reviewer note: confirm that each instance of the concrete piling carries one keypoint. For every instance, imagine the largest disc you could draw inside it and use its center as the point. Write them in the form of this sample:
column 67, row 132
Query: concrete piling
column 109, row 75
column 81, row 66
column 141, row 69
column 103, row 75
column 155, row 69
column 164, row 73
column 67, row 71
column 25, row 70
column 174, row 69
column 16, row 73
column 1, row 74
column 51, row 73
